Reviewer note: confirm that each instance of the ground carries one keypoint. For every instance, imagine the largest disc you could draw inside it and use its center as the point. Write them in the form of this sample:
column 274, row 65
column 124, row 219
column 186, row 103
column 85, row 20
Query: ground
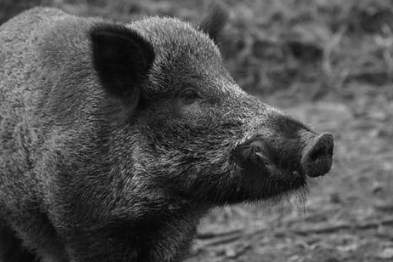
column 328, row 63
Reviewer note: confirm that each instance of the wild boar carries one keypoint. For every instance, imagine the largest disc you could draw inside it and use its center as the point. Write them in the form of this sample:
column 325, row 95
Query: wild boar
column 115, row 139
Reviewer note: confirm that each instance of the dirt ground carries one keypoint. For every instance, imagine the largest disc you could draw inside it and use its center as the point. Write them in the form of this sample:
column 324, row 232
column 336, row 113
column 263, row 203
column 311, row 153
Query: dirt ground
column 328, row 63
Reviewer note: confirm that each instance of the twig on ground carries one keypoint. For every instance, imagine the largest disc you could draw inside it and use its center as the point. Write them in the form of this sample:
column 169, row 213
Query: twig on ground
column 209, row 235
column 223, row 240
column 335, row 228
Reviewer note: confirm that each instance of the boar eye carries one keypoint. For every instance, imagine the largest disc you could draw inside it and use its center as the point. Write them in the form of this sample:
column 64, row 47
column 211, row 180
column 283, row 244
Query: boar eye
column 189, row 96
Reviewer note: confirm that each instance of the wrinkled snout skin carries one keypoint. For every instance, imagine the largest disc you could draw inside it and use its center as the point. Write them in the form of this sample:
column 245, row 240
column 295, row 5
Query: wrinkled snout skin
column 116, row 139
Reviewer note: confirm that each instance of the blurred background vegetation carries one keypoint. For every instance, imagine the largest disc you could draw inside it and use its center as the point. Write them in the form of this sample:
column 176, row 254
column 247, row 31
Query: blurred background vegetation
column 328, row 63
column 305, row 48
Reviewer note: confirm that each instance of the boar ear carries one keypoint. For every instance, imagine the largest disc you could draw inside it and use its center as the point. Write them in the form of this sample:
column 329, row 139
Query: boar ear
column 122, row 59
column 215, row 20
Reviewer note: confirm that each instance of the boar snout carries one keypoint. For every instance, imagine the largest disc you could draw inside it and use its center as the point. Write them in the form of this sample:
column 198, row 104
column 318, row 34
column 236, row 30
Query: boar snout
column 317, row 155
column 308, row 155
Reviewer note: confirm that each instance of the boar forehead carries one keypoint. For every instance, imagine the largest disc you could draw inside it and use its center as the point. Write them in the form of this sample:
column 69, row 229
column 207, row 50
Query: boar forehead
column 184, row 57
column 187, row 57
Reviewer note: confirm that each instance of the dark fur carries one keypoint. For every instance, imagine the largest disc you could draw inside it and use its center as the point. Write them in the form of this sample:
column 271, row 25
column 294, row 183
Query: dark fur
column 116, row 139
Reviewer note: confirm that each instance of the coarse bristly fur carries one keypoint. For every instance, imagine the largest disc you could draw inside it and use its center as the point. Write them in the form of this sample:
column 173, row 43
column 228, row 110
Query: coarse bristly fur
column 116, row 138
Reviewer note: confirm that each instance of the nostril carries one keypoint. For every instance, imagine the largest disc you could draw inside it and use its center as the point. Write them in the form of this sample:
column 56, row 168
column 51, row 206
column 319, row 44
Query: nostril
column 318, row 153
column 330, row 150
column 317, row 156
column 322, row 149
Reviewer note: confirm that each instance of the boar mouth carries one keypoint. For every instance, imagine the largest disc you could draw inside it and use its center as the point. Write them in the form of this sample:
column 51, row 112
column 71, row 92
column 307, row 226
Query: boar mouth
column 265, row 180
